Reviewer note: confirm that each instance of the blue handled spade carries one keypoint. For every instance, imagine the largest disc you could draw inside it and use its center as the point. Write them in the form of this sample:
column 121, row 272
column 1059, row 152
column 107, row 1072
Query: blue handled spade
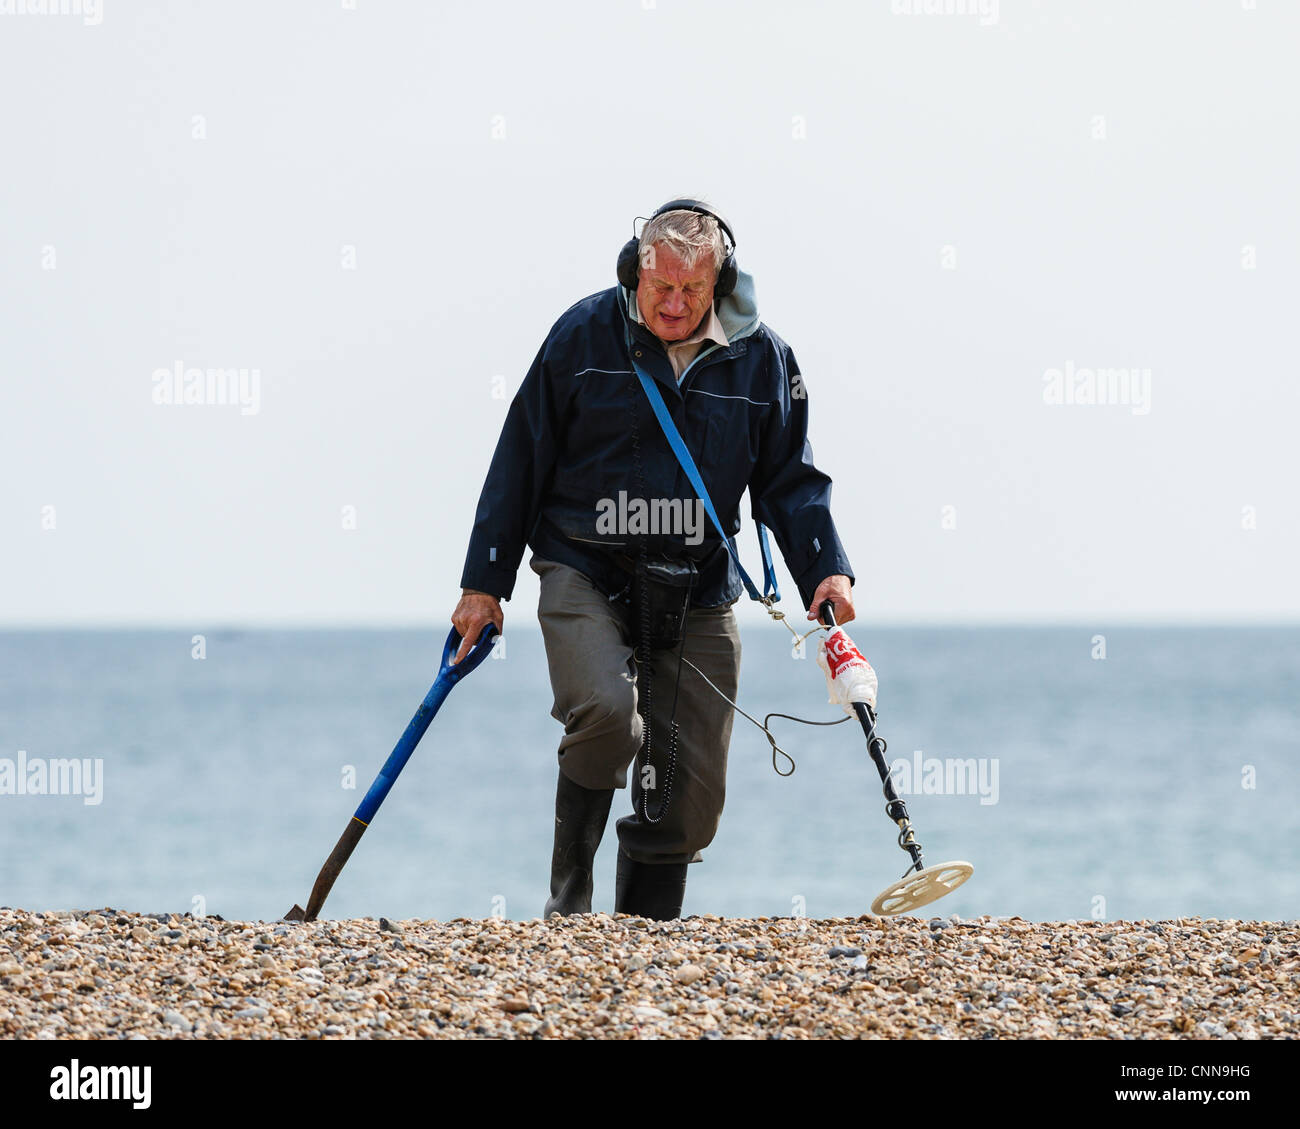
column 448, row 676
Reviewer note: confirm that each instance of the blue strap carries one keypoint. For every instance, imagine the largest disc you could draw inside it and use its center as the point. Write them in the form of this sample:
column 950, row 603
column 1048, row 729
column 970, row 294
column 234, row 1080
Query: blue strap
column 770, row 590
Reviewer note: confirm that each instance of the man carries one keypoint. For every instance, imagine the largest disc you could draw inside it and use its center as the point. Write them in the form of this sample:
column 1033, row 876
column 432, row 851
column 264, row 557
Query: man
column 581, row 451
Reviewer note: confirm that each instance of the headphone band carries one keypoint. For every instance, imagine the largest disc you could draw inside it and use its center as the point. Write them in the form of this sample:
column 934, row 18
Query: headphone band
column 687, row 205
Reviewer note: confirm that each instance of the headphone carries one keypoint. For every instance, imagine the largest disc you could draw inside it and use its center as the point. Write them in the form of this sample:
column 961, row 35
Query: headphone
column 629, row 259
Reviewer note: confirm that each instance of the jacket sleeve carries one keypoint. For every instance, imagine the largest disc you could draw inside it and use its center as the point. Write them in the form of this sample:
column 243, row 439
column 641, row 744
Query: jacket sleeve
column 789, row 494
column 516, row 481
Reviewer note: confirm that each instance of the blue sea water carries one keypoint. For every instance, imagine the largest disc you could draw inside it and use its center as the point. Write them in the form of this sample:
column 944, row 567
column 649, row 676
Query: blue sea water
column 1158, row 781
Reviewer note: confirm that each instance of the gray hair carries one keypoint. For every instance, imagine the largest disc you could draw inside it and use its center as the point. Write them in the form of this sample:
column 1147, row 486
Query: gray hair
column 689, row 234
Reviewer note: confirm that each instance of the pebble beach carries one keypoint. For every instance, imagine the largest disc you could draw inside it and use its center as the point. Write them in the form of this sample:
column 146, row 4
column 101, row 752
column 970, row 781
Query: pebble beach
column 105, row 974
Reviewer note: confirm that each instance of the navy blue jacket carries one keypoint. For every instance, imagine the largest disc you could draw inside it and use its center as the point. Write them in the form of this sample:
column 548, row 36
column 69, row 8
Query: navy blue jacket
column 567, row 444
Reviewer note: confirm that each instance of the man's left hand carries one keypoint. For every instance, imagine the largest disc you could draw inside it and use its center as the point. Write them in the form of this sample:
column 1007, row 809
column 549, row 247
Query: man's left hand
column 840, row 593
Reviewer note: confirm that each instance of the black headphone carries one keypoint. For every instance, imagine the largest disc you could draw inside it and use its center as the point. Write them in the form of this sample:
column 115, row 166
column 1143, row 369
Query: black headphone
column 629, row 259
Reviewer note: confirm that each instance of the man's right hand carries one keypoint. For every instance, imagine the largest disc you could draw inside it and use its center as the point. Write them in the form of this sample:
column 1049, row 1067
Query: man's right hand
column 474, row 612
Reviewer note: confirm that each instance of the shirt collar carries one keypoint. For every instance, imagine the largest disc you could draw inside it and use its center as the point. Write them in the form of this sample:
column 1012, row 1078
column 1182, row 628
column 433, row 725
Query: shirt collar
column 709, row 329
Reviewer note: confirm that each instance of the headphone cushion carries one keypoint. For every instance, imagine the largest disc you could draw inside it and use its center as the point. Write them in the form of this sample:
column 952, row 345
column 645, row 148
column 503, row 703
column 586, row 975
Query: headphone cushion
column 726, row 278
column 629, row 264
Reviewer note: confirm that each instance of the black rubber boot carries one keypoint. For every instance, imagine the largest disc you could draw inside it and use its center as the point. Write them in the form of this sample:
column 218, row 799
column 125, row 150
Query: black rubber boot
column 653, row 890
column 580, row 816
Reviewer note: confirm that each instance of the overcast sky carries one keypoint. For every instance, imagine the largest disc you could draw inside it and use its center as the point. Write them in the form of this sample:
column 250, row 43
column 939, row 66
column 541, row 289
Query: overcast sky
column 382, row 210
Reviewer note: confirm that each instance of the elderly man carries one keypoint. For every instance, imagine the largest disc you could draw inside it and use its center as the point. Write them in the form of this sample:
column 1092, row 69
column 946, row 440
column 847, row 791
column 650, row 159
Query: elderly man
column 633, row 579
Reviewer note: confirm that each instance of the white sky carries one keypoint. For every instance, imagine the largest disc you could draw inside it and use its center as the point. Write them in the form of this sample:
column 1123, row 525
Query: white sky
column 374, row 128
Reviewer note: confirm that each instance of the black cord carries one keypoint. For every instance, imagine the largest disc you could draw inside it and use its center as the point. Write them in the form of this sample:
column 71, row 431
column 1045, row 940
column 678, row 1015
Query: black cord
column 645, row 677
column 777, row 749
column 771, row 740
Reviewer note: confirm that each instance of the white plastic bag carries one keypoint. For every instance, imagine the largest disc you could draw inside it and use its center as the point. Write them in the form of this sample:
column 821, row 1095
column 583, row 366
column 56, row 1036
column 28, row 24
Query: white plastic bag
column 849, row 677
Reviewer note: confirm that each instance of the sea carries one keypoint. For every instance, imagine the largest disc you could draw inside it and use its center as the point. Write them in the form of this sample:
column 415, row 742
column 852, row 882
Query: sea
column 1139, row 772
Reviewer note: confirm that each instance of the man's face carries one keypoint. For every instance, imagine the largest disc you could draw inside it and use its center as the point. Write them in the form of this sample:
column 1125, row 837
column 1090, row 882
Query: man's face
column 672, row 298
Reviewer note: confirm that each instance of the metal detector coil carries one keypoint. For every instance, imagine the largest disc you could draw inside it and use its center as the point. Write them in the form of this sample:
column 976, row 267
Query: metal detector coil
column 919, row 888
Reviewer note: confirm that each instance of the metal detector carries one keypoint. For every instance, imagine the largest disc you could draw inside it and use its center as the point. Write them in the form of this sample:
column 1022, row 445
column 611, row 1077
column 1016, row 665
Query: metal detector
column 920, row 884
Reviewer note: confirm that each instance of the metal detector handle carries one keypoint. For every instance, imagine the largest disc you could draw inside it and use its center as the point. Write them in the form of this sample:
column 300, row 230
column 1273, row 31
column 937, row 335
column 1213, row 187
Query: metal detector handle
column 827, row 613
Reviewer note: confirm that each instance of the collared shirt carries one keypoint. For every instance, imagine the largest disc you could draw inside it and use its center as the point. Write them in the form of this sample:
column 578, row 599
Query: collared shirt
column 682, row 353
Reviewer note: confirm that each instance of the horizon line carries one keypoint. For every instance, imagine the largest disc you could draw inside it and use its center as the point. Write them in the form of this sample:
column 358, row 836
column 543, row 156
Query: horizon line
column 750, row 621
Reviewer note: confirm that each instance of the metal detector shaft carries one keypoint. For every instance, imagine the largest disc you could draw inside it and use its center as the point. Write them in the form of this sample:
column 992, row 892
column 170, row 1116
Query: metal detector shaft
column 895, row 808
